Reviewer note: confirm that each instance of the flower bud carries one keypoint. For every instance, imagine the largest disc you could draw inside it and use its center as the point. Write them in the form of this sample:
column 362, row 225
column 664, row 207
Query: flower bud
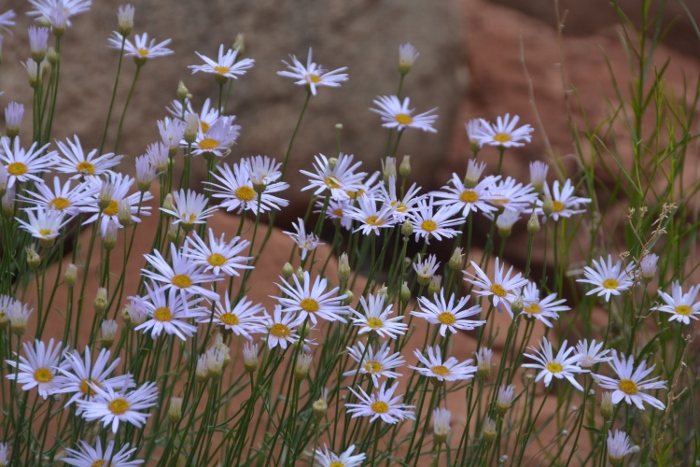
column 441, row 425
column 182, row 92
column 648, row 267
column 109, row 331
column 250, row 356
column 547, row 205
column 191, row 128
column 124, row 213
column 175, row 409
column 405, row 293
column 300, row 275
column 332, row 162
column 504, row 399
column 8, row 202
column 33, row 258
column 303, row 365
column 201, row 372
column 474, row 171
column 38, row 42
column 407, row 56
column 339, row 126
column 52, row 56
column 455, row 261
column 406, row 228
column 483, row 365
column 176, row 234
column 384, row 293
column 349, row 297
column 125, row 20
column 344, row 268
column 388, row 168
column 239, row 44
column 109, row 240
column 489, row 430
column 319, row 407
column 405, row 167
column 434, row 284
column 18, row 315
column 606, row 405
column 101, row 302
column 287, row 271
column 71, row 275
column 533, row 225
column 517, row 305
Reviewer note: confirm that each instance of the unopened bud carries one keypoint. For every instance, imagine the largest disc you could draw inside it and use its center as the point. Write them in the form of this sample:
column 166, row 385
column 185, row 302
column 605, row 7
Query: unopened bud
column 300, row 275
column 52, row 56
column 405, row 167
column 489, row 430
column 344, row 268
column 533, row 225
column 389, row 168
column 101, row 302
column 124, row 213
column 384, row 293
column 547, row 205
column 517, row 305
column 239, row 44
column 109, row 331
column 175, row 234
column 71, row 275
column 606, row 405
column 33, row 258
column 303, row 365
column 201, row 372
column 182, row 92
column 406, row 229
column 125, row 20
column 434, row 284
column 349, row 297
column 319, row 407
column 109, row 240
column 405, row 293
column 504, row 399
column 250, row 356
column 169, row 202
column 332, row 162
column 287, row 271
column 455, row 261
column 191, row 128
column 175, row 409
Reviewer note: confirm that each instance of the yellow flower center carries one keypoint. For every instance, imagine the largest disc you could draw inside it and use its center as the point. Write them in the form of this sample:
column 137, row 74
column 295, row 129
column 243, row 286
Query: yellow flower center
column 313, row 78
column 502, row 137
column 403, row 119
column 373, row 367
column 280, row 330
column 204, row 126
column 401, row 208
column 429, row 225
column 532, row 308
column 440, row 370
column 118, row 406
column 628, row 386
column 98, row 463
column 216, row 259
column 17, row 169
column 374, row 323
column 112, row 209
column 379, row 407
column 469, row 196
column 59, row 203
column 554, row 367
column 610, row 284
column 229, row 318
column 558, row 206
column 143, row 52
column 338, row 212
column 162, row 314
column 498, row 290
column 446, row 318
column 43, row 375
column 683, row 310
column 332, row 182
column 209, row 143
column 499, row 201
column 85, row 168
column 245, row 193
column 336, row 464
column 85, row 386
column 182, row 281
column 309, row 305
column 355, row 194
column 44, row 232
column 374, row 220
column 222, row 70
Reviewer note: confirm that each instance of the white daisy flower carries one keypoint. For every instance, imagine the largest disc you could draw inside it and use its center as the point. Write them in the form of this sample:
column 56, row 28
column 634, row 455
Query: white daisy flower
column 448, row 314
column 39, row 368
column 4, row 450
column 76, row 162
column 183, row 275
column 630, row 382
column 545, row 309
column 87, row 456
column 168, row 311
column 263, row 170
column 6, row 20
column 371, row 217
column 381, row 404
column 241, row 319
column 682, row 306
column 238, row 193
column 376, row 364
column 538, row 175
column 141, row 49
column 112, row 407
column 397, row 114
column 429, row 224
column 325, row 458
column 312, row 75
column 58, row 12
column 337, row 210
column 69, row 200
column 340, row 179
column 502, row 290
column 647, row 267
column 509, row 194
column 79, row 373
column 504, row 134
column 564, row 365
column 618, row 446
column 399, row 207
column 189, row 208
column 226, row 65
column 467, row 199
column 281, row 328
column 310, row 301
column 217, row 140
column 171, row 133
column 376, row 318
column 368, row 188
column 564, row 203
column 43, row 224
column 157, row 156
column 24, row 165
column 305, row 242
column 448, row 370
column 476, row 129
column 218, row 256
column 426, row 268
column 591, row 354
column 608, row 278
